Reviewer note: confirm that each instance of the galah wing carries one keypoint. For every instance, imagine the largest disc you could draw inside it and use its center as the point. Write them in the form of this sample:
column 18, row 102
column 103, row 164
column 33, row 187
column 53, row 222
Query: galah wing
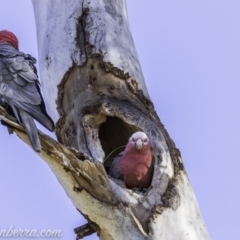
column 114, row 169
column 19, row 90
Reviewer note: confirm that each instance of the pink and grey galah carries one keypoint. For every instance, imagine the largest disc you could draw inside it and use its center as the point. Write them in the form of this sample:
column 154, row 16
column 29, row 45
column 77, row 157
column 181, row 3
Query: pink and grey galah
column 134, row 165
column 19, row 88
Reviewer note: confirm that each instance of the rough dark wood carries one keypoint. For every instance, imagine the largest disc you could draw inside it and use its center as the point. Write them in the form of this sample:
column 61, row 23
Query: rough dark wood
column 83, row 231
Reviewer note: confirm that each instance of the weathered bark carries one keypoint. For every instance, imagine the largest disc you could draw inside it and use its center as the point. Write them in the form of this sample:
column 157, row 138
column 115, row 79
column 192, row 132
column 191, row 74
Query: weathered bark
column 95, row 91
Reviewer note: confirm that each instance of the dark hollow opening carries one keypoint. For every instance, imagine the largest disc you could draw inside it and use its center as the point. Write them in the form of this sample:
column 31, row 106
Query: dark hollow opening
column 114, row 133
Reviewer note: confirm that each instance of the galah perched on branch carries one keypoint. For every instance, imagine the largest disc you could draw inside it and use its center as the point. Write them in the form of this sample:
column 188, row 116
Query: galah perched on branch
column 134, row 164
column 19, row 88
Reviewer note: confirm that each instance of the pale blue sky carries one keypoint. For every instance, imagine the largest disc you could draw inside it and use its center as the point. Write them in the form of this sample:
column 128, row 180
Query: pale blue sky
column 190, row 56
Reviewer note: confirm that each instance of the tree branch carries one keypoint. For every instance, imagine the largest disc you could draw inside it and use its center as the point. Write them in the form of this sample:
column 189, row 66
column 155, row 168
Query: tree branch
column 83, row 231
column 83, row 173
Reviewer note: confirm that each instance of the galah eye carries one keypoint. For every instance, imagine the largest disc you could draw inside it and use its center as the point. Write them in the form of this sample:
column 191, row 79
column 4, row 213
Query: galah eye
column 133, row 139
column 145, row 140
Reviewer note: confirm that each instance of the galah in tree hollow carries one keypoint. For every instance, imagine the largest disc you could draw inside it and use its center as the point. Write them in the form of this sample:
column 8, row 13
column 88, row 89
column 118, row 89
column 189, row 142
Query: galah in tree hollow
column 134, row 164
column 19, row 88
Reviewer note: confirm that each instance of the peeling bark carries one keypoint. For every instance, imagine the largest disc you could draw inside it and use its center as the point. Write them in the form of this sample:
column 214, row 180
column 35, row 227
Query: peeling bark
column 95, row 91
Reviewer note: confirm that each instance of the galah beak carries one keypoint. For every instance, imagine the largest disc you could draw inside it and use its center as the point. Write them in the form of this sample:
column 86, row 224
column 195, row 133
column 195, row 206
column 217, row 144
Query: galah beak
column 139, row 144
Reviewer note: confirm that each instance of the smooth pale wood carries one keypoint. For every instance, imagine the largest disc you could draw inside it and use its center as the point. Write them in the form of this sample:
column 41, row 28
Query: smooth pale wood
column 92, row 80
column 59, row 33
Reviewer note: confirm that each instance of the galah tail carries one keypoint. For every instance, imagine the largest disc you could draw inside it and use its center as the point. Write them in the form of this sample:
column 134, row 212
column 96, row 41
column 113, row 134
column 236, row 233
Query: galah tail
column 19, row 88
column 134, row 164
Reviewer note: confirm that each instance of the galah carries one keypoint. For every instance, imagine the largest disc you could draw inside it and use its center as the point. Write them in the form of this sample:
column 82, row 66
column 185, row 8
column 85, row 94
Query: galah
column 19, row 88
column 134, row 164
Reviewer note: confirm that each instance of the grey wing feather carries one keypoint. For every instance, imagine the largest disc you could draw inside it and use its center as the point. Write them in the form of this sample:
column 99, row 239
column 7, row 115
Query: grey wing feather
column 35, row 112
column 20, row 84
column 31, row 130
column 19, row 88
column 27, row 94
column 114, row 171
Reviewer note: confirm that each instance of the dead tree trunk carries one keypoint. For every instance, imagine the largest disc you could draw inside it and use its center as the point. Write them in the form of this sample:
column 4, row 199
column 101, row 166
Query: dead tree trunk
column 95, row 91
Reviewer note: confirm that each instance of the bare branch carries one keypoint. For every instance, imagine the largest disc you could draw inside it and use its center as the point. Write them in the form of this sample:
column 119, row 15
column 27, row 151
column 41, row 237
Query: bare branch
column 83, row 231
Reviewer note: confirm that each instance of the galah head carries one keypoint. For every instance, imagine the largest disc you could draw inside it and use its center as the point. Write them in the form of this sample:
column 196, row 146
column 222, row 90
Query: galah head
column 8, row 37
column 139, row 140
